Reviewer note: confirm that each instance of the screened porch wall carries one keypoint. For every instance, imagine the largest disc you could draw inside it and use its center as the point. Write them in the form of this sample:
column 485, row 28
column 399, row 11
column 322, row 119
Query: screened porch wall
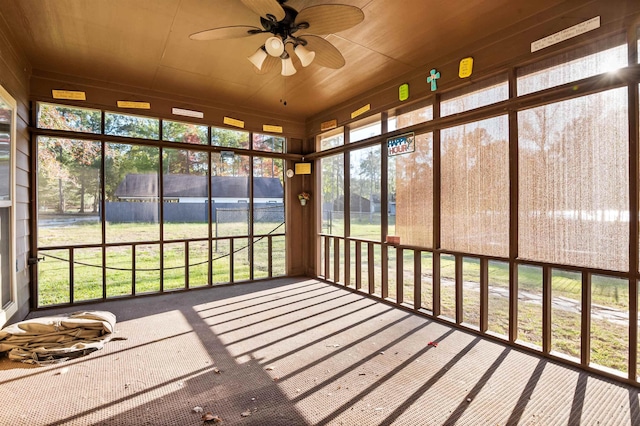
column 516, row 216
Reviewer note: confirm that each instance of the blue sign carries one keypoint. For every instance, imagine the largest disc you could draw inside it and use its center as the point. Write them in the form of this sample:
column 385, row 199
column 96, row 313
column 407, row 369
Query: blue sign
column 402, row 144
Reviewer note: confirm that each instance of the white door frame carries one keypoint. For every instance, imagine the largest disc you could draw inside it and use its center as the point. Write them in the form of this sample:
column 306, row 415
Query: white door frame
column 10, row 308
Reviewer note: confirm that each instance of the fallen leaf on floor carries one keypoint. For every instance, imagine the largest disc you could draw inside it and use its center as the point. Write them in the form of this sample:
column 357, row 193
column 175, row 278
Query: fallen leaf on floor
column 197, row 409
column 209, row 417
column 245, row 413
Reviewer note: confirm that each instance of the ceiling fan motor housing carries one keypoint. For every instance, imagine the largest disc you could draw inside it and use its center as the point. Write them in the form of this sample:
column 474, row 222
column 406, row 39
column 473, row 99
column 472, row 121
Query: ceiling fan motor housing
column 285, row 27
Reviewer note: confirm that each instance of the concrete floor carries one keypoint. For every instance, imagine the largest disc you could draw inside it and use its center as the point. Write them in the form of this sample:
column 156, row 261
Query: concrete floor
column 300, row 352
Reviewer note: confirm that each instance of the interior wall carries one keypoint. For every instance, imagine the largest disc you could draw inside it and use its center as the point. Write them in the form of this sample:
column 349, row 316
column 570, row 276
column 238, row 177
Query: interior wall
column 15, row 73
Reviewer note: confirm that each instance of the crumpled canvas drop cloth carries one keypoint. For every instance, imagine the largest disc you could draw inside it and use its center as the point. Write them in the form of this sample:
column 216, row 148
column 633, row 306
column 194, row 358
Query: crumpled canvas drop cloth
column 57, row 338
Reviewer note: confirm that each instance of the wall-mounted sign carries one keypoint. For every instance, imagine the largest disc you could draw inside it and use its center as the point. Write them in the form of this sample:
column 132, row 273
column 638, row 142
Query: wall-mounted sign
column 271, row 128
column 187, row 112
column 361, row 111
column 403, row 92
column 402, row 144
column 566, row 34
column 70, row 95
column 134, row 105
column 303, row 168
column 328, row 125
column 433, row 77
column 233, row 122
column 466, row 67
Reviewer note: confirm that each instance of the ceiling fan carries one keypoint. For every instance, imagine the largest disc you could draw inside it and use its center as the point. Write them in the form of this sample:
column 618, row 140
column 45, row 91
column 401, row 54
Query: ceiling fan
column 287, row 26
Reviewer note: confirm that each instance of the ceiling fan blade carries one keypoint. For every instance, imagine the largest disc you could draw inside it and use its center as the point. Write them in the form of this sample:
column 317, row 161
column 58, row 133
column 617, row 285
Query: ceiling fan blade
column 265, row 8
column 223, row 33
column 327, row 55
column 329, row 18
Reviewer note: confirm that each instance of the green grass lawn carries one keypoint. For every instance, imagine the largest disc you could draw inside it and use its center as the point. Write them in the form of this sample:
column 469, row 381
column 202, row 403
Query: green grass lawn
column 54, row 274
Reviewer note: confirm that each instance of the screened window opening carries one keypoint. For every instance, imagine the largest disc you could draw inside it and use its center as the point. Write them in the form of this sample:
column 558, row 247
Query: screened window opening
column 365, row 128
column 401, row 118
column 574, row 182
column 132, row 126
column 332, row 169
column 176, row 131
column 410, row 205
column 229, row 138
column 330, row 139
column 62, row 117
column 475, row 187
column 480, row 94
column 365, row 205
column 597, row 58
column 270, row 143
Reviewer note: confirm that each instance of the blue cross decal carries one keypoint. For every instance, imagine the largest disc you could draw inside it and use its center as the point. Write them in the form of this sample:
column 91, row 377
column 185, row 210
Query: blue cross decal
column 432, row 79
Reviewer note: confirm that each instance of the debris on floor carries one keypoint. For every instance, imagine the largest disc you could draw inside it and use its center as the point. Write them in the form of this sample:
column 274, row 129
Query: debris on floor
column 434, row 344
column 210, row 417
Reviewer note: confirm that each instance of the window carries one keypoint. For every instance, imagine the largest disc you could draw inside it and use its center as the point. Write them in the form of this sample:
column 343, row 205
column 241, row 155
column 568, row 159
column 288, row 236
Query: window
column 8, row 292
column 475, row 187
column 406, row 117
column 597, row 58
column 410, row 206
column 330, row 139
column 478, row 95
column 132, row 126
column 268, row 143
column 365, row 128
column 175, row 131
column 229, row 138
column 63, row 117
column 574, row 182
column 365, row 201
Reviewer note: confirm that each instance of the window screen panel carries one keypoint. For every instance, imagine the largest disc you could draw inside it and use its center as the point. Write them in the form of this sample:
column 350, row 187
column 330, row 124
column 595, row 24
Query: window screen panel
column 475, row 187
column 574, row 182
column 596, row 58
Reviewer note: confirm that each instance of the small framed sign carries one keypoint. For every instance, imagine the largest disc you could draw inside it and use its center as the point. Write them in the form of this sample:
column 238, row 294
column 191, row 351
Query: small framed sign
column 403, row 144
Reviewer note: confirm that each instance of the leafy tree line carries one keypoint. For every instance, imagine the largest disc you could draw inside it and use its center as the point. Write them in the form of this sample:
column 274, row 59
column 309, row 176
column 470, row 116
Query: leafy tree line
column 69, row 170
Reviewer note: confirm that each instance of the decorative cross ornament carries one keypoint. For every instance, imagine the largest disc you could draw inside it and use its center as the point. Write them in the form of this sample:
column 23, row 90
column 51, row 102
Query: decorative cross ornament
column 435, row 75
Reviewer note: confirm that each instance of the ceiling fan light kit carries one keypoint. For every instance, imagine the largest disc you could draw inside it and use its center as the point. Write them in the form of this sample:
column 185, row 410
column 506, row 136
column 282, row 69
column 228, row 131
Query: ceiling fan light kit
column 305, row 56
column 258, row 58
column 274, row 46
column 287, row 65
column 283, row 22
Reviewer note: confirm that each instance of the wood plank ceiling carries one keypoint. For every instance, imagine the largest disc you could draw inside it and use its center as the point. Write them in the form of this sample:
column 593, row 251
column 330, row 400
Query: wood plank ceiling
column 145, row 44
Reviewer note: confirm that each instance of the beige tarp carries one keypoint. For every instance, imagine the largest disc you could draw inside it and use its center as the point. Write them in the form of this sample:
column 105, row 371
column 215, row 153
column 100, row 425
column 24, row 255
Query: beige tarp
column 57, row 338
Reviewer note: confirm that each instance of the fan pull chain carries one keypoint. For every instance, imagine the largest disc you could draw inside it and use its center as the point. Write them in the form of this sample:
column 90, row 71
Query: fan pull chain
column 283, row 100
